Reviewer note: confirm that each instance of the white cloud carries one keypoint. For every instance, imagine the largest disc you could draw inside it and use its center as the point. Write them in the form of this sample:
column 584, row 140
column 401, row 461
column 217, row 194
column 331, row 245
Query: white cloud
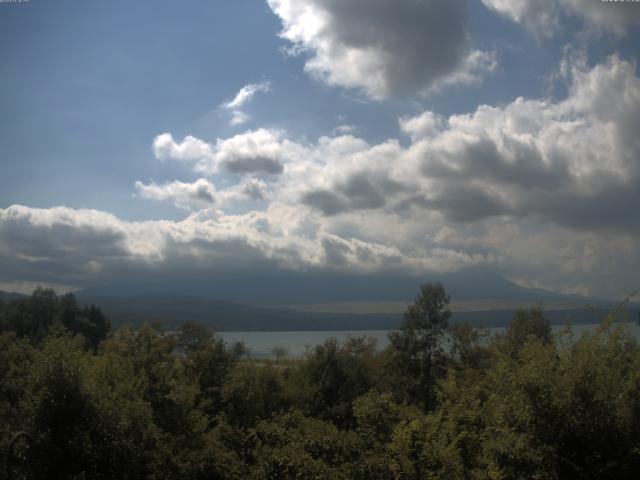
column 66, row 246
column 259, row 151
column 541, row 17
column 80, row 247
column 86, row 245
column 238, row 118
column 255, row 189
column 544, row 18
column 197, row 195
column 536, row 187
column 427, row 124
column 249, row 189
column 190, row 149
column 528, row 158
column 344, row 129
column 382, row 47
column 244, row 96
column 572, row 162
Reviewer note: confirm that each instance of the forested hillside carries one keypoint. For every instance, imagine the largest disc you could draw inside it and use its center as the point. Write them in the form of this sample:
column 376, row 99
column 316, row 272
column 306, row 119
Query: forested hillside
column 137, row 403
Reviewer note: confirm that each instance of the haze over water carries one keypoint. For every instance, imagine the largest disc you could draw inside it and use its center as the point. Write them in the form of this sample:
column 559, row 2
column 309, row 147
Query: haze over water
column 262, row 344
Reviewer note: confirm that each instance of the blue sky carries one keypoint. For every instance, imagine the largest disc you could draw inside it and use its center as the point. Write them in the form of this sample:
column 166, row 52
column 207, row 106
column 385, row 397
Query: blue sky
column 89, row 88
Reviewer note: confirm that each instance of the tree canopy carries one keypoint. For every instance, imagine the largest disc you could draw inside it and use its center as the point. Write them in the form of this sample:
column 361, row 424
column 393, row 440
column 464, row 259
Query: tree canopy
column 439, row 402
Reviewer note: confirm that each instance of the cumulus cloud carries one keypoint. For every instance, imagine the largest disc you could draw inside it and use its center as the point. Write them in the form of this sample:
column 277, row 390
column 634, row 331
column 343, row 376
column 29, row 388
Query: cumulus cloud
column 568, row 162
column 255, row 189
column 61, row 245
column 202, row 194
column 249, row 189
column 347, row 174
column 358, row 191
column 533, row 185
column 427, row 124
column 541, row 17
column 190, row 196
column 189, row 150
column 381, row 47
column 244, row 95
column 259, row 151
column 544, row 18
column 85, row 246
column 256, row 151
column 572, row 162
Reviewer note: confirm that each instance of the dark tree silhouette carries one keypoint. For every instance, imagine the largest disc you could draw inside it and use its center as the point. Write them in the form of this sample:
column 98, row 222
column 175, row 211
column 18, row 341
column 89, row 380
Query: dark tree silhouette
column 415, row 349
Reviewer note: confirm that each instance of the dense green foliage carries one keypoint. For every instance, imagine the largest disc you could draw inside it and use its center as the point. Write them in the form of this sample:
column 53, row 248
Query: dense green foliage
column 35, row 316
column 440, row 402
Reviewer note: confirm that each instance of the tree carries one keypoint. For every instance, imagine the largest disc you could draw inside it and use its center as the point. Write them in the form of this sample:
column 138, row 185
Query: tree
column 57, row 408
column 93, row 324
column 415, row 350
column 279, row 352
column 252, row 394
column 292, row 446
column 207, row 360
column 68, row 310
column 467, row 347
column 239, row 349
column 331, row 378
column 35, row 316
column 32, row 317
column 194, row 337
column 524, row 325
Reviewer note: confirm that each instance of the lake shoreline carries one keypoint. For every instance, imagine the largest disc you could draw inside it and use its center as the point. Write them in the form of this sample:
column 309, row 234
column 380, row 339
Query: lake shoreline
column 296, row 342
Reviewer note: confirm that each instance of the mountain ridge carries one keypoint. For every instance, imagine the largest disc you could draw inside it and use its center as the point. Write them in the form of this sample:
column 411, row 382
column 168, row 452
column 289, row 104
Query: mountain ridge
column 295, row 288
column 324, row 302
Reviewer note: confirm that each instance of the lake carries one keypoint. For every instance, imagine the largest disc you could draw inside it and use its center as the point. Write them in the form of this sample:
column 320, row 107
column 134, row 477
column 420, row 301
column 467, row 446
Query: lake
column 261, row 344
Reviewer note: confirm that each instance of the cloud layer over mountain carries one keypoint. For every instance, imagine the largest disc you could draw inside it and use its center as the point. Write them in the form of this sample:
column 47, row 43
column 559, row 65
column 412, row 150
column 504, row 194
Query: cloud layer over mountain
column 362, row 158
column 516, row 186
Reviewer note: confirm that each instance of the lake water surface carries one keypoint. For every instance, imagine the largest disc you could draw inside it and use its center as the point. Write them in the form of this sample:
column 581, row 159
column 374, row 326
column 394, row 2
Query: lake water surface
column 261, row 344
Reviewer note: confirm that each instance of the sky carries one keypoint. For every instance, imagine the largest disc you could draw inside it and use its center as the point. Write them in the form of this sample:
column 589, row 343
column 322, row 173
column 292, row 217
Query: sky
column 210, row 139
